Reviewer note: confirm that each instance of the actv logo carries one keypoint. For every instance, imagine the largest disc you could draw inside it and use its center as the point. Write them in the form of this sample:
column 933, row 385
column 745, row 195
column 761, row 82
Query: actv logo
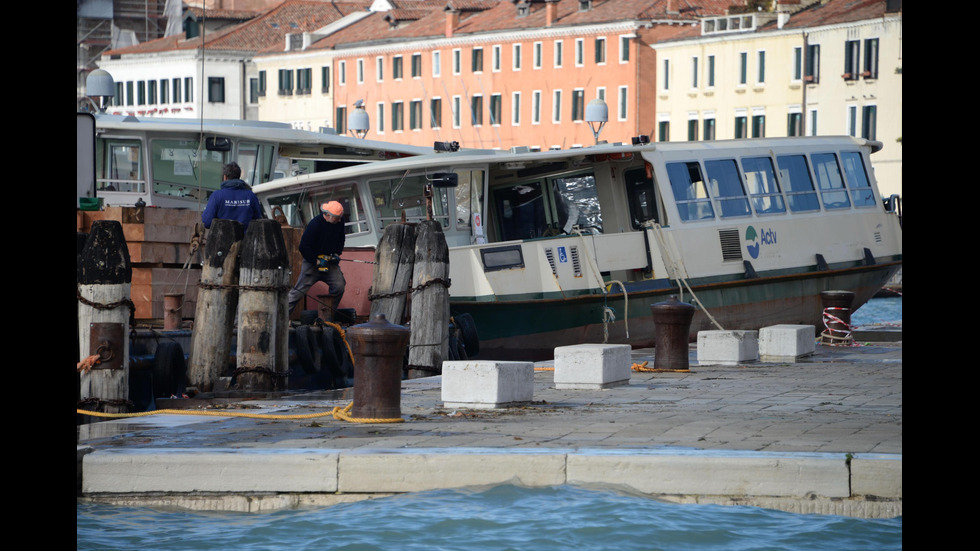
column 754, row 240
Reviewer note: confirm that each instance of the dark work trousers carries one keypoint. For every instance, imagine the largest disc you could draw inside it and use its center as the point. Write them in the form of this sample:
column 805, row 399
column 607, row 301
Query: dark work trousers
column 308, row 275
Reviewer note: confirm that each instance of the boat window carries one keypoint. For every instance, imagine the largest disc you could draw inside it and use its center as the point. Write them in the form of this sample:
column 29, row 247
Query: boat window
column 355, row 219
column 291, row 207
column 179, row 169
column 642, row 199
column 119, row 166
column 395, row 196
column 468, row 194
column 522, row 211
column 829, row 181
column 725, row 186
column 256, row 162
column 763, row 188
column 795, row 175
column 857, row 179
column 577, row 203
column 689, row 191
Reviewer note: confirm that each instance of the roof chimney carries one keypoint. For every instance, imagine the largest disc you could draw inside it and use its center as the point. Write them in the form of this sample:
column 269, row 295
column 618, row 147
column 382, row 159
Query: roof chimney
column 550, row 13
column 452, row 21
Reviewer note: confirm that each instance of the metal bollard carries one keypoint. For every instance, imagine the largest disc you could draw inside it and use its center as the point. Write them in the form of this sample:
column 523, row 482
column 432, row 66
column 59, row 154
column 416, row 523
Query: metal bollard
column 379, row 352
column 172, row 306
column 672, row 329
column 836, row 317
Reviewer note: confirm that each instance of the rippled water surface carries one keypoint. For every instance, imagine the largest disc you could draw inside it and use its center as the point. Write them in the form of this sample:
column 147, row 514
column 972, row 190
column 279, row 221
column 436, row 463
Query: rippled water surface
column 886, row 311
column 502, row 517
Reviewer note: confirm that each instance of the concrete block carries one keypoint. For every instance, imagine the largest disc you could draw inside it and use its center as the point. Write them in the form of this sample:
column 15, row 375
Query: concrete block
column 216, row 470
column 486, row 384
column 715, row 474
column 592, row 366
column 727, row 347
column 421, row 470
column 876, row 475
column 786, row 343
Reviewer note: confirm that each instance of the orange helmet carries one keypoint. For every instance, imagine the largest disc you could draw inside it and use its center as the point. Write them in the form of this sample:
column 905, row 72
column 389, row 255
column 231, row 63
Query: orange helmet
column 333, row 207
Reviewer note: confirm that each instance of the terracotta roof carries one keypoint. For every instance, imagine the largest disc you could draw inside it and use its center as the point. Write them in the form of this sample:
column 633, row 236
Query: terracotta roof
column 233, row 15
column 836, row 11
column 265, row 32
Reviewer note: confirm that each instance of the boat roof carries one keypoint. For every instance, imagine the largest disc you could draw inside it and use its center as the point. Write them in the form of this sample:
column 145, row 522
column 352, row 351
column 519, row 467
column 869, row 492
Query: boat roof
column 523, row 156
column 256, row 130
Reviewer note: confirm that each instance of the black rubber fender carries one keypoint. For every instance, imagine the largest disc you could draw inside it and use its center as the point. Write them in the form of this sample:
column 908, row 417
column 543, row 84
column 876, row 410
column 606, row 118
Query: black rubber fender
column 329, row 362
column 467, row 329
column 169, row 370
column 305, row 345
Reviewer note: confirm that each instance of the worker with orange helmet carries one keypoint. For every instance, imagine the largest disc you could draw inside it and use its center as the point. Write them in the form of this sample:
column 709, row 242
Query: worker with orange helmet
column 321, row 246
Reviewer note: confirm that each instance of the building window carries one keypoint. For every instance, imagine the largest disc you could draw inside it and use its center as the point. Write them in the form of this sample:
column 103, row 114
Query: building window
column 379, row 123
column 151, row 97
column 578, row 104
column 304, row 81
column 711, row 71
column 692, row 129
column 515, row 105
column 663, row 131
column 559, row 53
column 120, row 97
column 812, row 64
column 852, row 56
column 188, row 89
column 600, row 92
column 360, row 72
column 694, row 72
column 457, row 61
column 253, row 90
column 758, row 126
column 165, row 87
column 477, row 60
column 869, row 119
column 476, row 110
column 342, row 73
column 538, row 54
column 623, row 95
column 340, row 123
column 624, row 49
column 852, row 120
column 495, row 109
column 762, row 67
column 415, row 115
column 709, row 129
column 517, row 57
column 379, row 69
column 812, row 129
column 261, row 85
column 285, row 82
column 397, row 71
column 556, row 104
column 794, row 124
column 579, row 52
column 435, row 112
column 398, row 116
column 175, row 87
column 436, row 64
column 457, row 111
column 416, row 65
column 324, row 80
column 743, row 67
column 741, row 126
column 496, row 58
column 600, row 51
column 666, row 75
column 141, row 92
column 536, row 107
column 870, row 58
column 797, row 64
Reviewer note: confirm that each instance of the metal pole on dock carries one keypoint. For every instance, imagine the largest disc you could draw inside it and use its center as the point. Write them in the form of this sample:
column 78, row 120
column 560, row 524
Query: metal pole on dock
column 217, row 303
column 263, row 324
column 104, row 315
column 429, row 344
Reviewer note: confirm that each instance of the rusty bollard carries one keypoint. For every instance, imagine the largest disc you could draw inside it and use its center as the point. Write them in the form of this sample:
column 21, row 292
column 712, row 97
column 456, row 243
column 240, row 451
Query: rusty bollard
column 836, row 317
column 172, row 311
column 379, row 352
column 672, row 328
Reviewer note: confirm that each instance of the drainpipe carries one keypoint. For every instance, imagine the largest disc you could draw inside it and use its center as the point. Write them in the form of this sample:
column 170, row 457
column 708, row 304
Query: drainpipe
column 806, row 112
column 243, row 91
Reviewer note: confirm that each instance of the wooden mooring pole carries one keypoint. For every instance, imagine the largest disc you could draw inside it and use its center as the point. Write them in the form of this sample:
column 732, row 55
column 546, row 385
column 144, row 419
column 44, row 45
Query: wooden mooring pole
column 395, row 257
column 104, row 316
column 217, row 303
column 263, row 324
column 429, row 345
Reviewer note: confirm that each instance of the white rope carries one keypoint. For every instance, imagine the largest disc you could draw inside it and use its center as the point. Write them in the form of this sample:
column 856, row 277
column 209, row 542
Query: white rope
column 677, row 267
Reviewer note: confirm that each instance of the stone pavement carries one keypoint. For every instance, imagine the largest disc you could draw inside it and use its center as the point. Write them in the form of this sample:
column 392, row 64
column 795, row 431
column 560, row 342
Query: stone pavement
column 822, row 435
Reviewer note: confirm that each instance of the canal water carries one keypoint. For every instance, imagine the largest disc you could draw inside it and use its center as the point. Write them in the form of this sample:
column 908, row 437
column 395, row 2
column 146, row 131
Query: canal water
column 497, row 518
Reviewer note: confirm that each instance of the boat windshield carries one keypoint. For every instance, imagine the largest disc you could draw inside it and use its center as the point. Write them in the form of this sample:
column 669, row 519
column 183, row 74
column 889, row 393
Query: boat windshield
column 119, row 166
column 396, row 196
column 182, row 170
